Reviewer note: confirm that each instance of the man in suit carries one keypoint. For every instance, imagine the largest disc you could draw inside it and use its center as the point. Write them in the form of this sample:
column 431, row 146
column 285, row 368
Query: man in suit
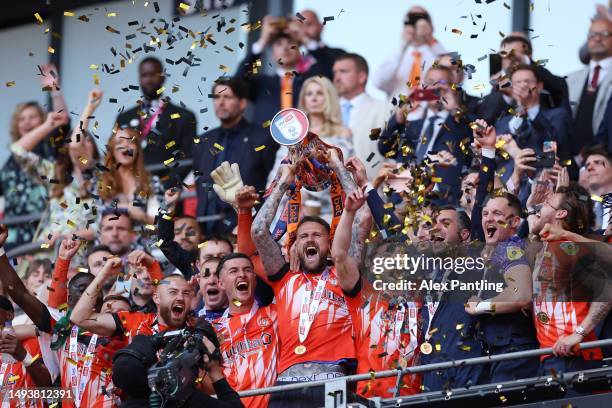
column 167, row 130
column 235, row 141
column 590, row 88
column 360, row 112
column 430, row 128
column 598, row 165
column 311, row 30
column 273, row 92
column 452, row 61
column 532, row 125
column 516, row 49
column 604, row 134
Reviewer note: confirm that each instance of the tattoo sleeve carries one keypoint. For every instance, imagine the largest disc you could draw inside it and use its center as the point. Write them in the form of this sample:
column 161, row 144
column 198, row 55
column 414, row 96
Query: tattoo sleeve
column 269, row 250
column 360, row 228
column 344, row 176
column 597, row 312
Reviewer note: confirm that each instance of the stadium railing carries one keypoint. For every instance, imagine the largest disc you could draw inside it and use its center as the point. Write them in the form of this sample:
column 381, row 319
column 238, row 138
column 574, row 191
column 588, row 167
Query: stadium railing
column 336, row 395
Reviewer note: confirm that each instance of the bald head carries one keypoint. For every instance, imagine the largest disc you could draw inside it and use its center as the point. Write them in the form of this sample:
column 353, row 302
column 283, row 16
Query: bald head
column 311, row 25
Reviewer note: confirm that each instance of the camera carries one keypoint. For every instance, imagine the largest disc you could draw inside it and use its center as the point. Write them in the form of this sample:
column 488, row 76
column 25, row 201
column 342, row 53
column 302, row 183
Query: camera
column 172, row 377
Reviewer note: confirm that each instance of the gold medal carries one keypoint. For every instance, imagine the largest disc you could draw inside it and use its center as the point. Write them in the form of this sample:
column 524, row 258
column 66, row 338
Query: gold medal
column 426, row 348
column 301, row 349
column 543, row 317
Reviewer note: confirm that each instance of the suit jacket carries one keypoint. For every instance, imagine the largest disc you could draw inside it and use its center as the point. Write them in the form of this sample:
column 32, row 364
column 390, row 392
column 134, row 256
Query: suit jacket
column 604, row 134
column 242, row 141
column 325, row 57
column 548, row 125
column 576, row 82
column 450, row 134
column 181, row 130
column 370, row 114
column 265, row 89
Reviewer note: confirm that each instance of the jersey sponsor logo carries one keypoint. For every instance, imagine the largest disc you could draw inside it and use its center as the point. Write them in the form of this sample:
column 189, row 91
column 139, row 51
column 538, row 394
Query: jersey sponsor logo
column 247, row 346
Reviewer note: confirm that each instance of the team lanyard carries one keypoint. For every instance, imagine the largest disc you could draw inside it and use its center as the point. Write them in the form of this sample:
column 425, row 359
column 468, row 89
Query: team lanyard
column 146, row 126
column 310, row 305
column 3, row 369
column 73, row 368
column 225, row 319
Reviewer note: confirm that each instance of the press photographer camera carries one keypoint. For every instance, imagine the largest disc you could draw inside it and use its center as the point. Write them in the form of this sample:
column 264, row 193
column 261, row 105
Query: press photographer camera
column 168, row 378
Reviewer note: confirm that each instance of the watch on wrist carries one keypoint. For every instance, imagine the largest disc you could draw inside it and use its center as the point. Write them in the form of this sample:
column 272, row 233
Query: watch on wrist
column 580, row 331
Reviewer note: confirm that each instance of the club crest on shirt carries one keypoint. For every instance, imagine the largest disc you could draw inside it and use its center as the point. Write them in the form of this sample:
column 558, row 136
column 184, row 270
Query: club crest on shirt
column 263, row 322
column 569, row 248
column 514, row 253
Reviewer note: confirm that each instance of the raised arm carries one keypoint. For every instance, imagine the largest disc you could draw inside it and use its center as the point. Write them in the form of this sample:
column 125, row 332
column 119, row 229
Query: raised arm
column 245, row 201
column 58, row 289
column 84, row 314
column 78, row 133
column 15, row 288
column 50, row 80
column 347, row 247
column 485, row 138
column 269, row 250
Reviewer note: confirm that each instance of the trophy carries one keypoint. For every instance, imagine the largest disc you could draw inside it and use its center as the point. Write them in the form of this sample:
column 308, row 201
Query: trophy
column 289, row 127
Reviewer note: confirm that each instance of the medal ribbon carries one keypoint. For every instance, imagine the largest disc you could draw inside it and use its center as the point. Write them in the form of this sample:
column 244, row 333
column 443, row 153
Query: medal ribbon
column 310, row 305
column 73, row 369
column 225, row 321
column 3, row 369
column 145, row 126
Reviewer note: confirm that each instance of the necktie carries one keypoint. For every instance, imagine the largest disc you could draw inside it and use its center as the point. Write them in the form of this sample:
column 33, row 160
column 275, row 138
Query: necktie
column 595, row 78
column 346, row 113
column 523, row 133
column 423, row 142
column 286, row 97
column 415, row 71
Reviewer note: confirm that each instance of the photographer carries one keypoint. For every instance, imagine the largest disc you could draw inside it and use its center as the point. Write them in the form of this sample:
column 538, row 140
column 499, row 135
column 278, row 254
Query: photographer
column 140, row 356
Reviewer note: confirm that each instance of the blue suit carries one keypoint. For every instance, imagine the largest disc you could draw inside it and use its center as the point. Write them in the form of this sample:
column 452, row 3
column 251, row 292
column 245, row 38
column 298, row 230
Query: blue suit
column 604, row 134
column 449, row 137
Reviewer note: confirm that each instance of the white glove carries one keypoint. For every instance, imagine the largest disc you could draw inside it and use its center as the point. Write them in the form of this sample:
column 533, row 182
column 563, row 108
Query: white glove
column 227, row 181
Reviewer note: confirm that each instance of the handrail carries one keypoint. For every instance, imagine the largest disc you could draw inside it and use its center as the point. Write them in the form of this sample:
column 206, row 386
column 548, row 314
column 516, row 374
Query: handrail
column 422, row 368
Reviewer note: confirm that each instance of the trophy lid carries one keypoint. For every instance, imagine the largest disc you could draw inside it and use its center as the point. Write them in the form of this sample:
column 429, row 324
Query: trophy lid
column 289, row 126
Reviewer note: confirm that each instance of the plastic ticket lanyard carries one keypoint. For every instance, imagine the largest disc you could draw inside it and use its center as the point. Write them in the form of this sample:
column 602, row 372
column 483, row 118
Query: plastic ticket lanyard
column 73, row 367
column 310, row 305
column 3, row 369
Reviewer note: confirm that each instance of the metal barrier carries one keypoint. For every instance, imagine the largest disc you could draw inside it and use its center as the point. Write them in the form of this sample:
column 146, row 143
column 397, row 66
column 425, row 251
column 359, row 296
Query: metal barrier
column 337, row 387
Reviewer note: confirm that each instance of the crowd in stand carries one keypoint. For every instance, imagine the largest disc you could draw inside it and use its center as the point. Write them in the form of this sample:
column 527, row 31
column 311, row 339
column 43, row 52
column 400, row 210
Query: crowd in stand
column 520, row 178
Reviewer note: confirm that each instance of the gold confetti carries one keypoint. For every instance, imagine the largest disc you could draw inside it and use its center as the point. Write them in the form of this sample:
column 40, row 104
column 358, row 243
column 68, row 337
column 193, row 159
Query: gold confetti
column 175, row 116
column 196, row 140
column 456, row 31
column 69, row 13
column 386, row 219
column 83, row 160
column 436, row 179
column 167, row 162
column 51, row 50
column 93, row 66
column 266, row 124
column 567, row 162
column 14, row 378
column 96, row 79
column 167, row 217
column 150, row 227
column 184, row 6
column 260, row 148
column 71, row 223
column 438, row 347
column 160, row 90
column 387, row 206
column 224, row 68
column 202, row 245
column 10, row 83
column 596, row 198
column 85, row 270
column 218, row 147
column 170, row 144
column 44, row 246
column 158, row 243
column 236, row 302
column 111, row 14
column 38, row 18
column 459, row 326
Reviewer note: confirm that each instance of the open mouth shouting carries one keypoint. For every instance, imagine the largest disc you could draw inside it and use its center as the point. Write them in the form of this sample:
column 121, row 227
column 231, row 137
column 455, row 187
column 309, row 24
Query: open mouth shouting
column 491, row 230
column 177, row 310
column 242, row 287
column 311, row 252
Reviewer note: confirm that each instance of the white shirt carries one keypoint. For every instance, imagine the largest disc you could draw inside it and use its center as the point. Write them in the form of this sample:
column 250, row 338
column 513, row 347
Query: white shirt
column 517, row 121
column 606, row 66
column 442, row 115
column 355, row 102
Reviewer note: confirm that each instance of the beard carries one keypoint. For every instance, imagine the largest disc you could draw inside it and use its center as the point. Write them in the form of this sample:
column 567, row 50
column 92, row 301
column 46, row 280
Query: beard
column 166, row 314
column 320, row 265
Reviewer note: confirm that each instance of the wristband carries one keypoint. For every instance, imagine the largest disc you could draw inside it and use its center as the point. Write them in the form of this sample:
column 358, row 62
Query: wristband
column 369, row 187
column 484, row 307
column 488, row 152
column 2, row 253
column 27, row 360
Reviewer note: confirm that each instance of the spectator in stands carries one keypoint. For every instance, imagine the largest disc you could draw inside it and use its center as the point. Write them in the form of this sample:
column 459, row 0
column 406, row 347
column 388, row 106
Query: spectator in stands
column 307, row 32
column 167, row 131
column 598, row 164
column 418, row 51
column 453, row 62
column 361, row 113
column 115, row 304
column 22, row 194
column 516, row 49
column 236, row 141
column 141, row 287
column 70, row 179
column 273, row 92
column 116, row 232
column 420, row 128
column 96, row 258
column 319, row 101
column 591, row 87
column 604, row 134
column 125, row 183
column 38, row 272
column 532, row 125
